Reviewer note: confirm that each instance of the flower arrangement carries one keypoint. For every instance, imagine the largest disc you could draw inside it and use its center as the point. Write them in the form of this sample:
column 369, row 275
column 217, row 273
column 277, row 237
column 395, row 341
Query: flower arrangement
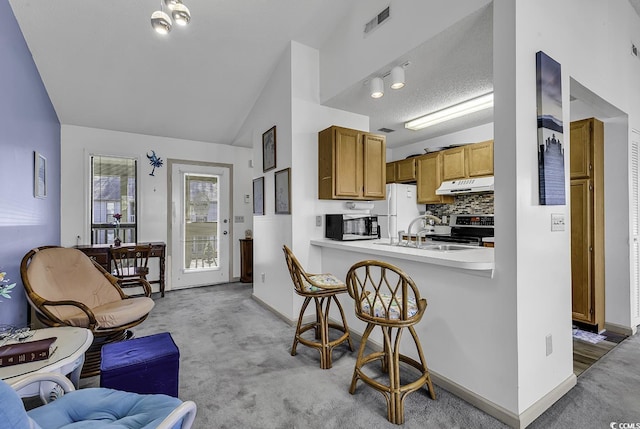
column 5, row 287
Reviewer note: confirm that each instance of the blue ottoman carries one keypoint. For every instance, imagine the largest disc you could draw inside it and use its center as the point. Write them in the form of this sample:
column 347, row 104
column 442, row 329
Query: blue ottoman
column 141, row 365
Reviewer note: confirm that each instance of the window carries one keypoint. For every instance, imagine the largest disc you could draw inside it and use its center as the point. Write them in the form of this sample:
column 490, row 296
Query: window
column 113, row 190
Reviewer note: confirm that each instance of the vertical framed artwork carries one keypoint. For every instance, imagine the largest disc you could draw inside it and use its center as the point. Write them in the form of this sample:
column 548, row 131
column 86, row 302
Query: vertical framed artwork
column 550, row 131
column 283, row 191
column 258, row 196
column 39, row 175
column 269, row 149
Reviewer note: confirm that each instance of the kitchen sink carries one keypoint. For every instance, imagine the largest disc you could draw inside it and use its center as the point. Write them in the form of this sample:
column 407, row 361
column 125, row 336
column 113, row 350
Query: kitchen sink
column 436, row 247
column 446, row 247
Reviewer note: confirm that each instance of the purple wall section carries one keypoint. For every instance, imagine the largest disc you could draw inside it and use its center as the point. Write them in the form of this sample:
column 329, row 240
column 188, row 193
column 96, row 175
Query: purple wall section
column 28, row 123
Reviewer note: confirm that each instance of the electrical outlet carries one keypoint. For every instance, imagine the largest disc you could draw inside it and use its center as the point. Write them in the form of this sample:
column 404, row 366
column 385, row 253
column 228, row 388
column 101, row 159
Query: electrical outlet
column 318, row 220
column 247, row 198
column 557, row 222
column 549, row 341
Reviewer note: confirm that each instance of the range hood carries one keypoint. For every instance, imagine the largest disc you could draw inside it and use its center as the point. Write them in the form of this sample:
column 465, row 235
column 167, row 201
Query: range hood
column 466, row 186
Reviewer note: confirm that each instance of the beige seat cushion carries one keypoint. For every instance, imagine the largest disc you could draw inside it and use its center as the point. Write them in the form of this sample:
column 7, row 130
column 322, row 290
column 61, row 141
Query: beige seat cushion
column 60, row 273
column 114, row 314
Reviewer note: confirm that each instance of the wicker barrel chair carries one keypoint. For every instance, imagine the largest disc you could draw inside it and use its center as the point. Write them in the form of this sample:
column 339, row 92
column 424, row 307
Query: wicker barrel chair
column 322, row 288
column 387, row 297
column 67, row 288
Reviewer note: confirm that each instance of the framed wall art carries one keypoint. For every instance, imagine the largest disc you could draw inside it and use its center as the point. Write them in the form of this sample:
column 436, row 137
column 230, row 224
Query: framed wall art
column 269, row 149
column 551, row 170
column 39, row 175
column 258, row 196
column 283, row 191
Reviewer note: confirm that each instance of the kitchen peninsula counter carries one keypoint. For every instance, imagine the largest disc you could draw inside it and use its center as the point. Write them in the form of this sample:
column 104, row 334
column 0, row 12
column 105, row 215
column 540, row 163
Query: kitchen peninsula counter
column 476, row 260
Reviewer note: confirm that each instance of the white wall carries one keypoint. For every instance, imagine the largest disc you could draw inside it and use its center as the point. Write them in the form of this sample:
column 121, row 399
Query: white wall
column 79, row 143
column 597, row 56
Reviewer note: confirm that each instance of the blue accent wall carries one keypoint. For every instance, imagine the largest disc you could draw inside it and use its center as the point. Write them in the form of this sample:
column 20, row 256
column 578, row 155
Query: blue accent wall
column 28, row 123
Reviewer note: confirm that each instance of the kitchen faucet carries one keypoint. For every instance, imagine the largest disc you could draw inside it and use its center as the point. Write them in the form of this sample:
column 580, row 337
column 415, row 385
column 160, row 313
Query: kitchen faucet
column 429, row 217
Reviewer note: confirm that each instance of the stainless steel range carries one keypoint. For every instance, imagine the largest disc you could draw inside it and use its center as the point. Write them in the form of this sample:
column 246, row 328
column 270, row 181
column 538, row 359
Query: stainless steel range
column 467, row 229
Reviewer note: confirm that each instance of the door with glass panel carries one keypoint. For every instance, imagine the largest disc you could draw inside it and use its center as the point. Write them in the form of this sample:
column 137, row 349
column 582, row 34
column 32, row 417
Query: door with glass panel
column 200, row 226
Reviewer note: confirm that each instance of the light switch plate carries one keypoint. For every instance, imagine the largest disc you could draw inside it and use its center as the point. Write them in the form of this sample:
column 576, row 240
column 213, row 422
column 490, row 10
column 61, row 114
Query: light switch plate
column 318, row 220
column 557, row 222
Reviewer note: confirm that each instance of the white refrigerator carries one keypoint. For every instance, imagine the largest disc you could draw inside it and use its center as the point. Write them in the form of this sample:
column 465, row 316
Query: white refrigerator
column 397, row 211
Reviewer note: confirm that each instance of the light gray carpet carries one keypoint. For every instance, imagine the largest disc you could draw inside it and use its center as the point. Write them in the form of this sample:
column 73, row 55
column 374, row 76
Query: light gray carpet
column 236, row 365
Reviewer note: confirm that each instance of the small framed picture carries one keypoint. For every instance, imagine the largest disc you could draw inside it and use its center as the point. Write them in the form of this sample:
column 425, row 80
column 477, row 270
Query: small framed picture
column 258, row 196
column 269, row 149
column 283, row 191
column 39, row 175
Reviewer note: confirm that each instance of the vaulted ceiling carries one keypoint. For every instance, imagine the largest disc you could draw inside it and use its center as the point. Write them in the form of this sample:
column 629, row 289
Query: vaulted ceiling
column 104, row 66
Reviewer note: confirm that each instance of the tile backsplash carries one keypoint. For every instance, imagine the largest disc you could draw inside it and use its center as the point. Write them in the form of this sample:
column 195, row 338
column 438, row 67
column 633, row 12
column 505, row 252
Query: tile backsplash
column 480, row 203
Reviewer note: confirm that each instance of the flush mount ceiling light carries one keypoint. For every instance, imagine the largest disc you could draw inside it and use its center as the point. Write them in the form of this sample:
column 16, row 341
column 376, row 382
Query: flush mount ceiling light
column 448, row 113
column 377, row 87
column 161, row 21
column 397, row 77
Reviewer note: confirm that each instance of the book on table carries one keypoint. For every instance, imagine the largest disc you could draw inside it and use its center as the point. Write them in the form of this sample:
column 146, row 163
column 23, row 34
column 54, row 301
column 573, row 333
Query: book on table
column 28, row 351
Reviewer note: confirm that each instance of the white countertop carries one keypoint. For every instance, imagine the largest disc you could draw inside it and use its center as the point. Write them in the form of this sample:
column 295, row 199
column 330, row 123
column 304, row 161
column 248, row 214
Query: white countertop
column 475, row 258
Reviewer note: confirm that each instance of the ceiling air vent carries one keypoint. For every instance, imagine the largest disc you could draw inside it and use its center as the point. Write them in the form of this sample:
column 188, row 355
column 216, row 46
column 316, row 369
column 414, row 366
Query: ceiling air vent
column 385, row 130
column 377, row 20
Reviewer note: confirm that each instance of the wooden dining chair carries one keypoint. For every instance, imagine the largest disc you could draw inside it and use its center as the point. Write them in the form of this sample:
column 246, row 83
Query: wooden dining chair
column 131, row 265
column 387, row 297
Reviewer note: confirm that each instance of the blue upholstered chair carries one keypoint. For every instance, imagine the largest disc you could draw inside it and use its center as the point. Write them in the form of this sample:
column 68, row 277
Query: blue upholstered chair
column 94, row 408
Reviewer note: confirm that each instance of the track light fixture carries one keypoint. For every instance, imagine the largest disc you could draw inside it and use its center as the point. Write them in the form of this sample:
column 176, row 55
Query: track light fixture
column 161, row 21
column 465, row 108
column 396, row 75
column 377, row 87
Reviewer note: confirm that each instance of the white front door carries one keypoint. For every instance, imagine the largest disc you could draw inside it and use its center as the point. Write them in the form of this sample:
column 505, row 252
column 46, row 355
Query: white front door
column 200, row 226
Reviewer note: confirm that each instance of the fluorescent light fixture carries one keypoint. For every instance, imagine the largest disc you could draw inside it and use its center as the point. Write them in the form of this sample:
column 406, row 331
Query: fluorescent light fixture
column 377, row 87
column 461, row 109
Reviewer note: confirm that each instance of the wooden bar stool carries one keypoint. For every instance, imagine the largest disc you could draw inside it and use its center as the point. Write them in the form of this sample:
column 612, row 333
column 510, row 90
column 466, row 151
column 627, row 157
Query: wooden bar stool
column 322, row 288
column 387, row 297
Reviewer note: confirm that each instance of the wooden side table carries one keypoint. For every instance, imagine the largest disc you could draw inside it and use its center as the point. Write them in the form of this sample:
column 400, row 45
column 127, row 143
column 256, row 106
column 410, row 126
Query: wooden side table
column 67, row 359
column 246, row 260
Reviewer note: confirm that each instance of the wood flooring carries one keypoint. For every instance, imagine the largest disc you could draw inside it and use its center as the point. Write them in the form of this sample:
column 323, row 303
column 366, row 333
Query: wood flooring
column 586, row 354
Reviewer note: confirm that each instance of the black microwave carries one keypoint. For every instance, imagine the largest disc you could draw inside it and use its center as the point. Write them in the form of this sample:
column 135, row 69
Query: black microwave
column 351, row 227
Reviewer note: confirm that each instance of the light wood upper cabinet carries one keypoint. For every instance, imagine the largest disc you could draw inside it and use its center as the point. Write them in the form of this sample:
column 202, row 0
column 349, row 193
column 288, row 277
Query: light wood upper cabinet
column 351, row 164
column 580, row 154
column 406, row 170
column 391, row 172
column 480, row 159
column 429, row 175
column 453, row 163
column 374, row 160
column 472, row 160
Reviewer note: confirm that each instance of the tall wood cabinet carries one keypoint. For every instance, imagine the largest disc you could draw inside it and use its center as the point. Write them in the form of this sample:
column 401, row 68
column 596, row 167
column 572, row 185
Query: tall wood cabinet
column 587, row 222
column 351, row 165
